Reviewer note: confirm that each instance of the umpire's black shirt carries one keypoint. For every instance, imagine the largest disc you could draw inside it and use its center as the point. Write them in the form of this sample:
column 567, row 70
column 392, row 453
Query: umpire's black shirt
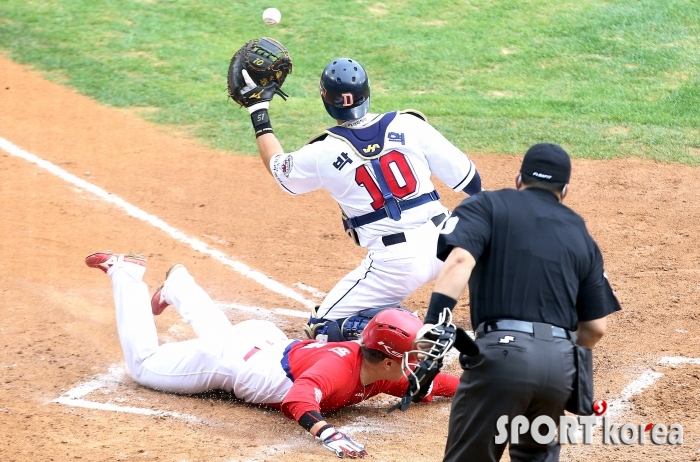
column 535, row 260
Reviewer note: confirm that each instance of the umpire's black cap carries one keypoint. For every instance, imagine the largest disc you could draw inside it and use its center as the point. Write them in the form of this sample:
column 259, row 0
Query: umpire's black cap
column 547, row 162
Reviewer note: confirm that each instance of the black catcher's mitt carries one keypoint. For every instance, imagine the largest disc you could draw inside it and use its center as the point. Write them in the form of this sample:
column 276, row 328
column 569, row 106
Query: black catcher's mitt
column 257, row 71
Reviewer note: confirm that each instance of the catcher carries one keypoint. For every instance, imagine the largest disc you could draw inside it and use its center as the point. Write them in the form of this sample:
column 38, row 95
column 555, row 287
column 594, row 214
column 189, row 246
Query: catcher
column 254, row 359
column 377, row 167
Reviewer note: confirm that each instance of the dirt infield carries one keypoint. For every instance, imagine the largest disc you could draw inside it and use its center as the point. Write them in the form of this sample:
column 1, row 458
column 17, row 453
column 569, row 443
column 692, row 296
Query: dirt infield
column 57, row 329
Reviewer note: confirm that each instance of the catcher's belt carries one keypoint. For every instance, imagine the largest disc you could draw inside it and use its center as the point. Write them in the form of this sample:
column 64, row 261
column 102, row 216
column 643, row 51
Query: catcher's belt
column 536, row 329
column 398, row 238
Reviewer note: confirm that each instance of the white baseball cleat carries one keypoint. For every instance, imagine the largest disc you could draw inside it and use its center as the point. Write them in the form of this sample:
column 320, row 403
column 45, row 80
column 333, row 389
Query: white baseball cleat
column 158, row 303
column 105, row 260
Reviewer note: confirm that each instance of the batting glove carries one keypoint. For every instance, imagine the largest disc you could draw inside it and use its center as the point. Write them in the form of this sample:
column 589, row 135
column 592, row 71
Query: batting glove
column 251, row 85
column 341, row 444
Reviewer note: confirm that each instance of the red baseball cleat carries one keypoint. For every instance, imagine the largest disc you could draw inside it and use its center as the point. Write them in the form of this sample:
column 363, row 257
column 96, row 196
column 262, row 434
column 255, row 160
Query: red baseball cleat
column 105, row 260
column 158, row 303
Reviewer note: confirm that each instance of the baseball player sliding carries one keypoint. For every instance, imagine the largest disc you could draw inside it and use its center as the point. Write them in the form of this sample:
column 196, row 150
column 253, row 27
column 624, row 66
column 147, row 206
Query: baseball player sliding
column 254, row 359
column 378, row 168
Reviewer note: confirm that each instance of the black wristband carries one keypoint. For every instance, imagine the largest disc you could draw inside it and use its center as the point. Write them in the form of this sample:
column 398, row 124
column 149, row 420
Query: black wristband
column 261, row 122
column 309, row 419
column 438, row 302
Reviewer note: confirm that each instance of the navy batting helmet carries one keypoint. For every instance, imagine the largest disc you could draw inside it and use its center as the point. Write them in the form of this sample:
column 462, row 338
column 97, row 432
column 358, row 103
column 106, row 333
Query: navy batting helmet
column 345, row 89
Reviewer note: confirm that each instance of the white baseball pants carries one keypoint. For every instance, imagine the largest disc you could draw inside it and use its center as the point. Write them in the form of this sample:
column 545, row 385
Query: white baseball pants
column 243, row 358
column 387, row 275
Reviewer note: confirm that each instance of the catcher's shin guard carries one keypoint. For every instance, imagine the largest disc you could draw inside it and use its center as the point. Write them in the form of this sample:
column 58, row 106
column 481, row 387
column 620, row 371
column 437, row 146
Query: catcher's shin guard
column 352, row 327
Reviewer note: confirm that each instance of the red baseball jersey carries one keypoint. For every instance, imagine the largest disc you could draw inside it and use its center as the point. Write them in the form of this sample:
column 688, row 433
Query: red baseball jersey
column 327, row 377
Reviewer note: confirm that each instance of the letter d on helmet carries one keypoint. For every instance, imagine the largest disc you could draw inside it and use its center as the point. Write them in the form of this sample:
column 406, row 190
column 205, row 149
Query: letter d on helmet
column 345, row 89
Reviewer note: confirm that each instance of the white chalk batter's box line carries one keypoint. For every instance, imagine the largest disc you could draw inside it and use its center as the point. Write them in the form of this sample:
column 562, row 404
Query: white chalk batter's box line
column 74, row 396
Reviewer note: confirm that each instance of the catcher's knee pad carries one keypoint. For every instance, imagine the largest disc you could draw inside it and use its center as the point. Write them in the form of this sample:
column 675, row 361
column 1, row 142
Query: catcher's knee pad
column 352, row 327
column 341, row 330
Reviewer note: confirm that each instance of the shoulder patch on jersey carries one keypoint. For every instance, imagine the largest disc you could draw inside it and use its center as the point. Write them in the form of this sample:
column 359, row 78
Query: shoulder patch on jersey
column 415, row 113
column 315, row 138
column 449, row 225
column 287, row 165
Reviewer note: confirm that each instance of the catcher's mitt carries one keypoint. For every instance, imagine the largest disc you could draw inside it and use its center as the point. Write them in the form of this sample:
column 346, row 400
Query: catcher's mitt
column 257, row 71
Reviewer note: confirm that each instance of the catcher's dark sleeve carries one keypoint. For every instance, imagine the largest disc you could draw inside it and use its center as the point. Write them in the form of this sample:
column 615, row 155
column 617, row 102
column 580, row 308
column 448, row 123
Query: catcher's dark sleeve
column 469, row 227
column 474, row 186
column 595, row 298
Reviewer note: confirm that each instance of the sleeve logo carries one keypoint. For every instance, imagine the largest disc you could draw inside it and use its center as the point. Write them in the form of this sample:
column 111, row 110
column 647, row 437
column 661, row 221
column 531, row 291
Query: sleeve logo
column 287, row 166
column 449, row 225
column 371, row 148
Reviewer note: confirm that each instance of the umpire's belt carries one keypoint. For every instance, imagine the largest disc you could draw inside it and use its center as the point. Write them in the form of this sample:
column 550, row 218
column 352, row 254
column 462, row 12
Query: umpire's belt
column 536, row 329
column 356, row 222
column 398, row 238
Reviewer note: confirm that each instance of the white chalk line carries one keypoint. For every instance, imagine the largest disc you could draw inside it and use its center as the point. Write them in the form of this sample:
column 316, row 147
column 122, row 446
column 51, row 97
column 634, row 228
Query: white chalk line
column 616, row 407
column 674, row 361
column 156, row 222
column 268, row 312
column 125, row 409
column 74, row 397
column 312, row 290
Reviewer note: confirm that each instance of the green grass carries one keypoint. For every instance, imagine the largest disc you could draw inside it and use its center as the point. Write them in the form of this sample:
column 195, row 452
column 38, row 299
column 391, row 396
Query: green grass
column 603, row 78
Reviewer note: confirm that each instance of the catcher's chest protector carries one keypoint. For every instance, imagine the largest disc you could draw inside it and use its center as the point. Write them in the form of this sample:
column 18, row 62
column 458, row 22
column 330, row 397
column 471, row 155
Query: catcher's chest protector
column 368, row 143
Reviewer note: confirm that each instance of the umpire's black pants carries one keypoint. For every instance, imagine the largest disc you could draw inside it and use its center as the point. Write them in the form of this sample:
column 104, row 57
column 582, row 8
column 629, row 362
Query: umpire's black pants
column 525, row 376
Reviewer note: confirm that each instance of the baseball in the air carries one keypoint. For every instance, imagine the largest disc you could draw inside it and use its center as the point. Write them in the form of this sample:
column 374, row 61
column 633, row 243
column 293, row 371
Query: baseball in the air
column 272, row 16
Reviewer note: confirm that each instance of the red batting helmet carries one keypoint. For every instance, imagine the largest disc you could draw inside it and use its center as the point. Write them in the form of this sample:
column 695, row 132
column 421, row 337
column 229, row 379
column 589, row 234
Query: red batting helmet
column 392, row 331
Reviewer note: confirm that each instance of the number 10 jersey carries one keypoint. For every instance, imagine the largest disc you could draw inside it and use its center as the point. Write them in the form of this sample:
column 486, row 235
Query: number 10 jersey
column 408, row 151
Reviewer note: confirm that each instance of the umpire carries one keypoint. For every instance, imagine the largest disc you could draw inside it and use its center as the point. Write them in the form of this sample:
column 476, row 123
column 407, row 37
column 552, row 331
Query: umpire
column 536, row 286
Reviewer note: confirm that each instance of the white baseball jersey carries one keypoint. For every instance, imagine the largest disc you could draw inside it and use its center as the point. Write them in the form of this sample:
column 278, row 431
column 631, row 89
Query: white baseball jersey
column 412, row 151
